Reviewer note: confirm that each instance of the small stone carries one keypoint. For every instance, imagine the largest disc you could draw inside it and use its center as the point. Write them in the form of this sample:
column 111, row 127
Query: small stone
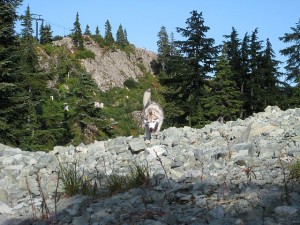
column 5, row 208
column 217, row 213
column 172, row 219
column 285, row 210
column 80, row 220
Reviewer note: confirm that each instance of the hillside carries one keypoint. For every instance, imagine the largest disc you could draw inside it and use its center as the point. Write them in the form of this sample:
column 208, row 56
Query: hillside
column 234, row 173
column 110, row 68
column 83, row 95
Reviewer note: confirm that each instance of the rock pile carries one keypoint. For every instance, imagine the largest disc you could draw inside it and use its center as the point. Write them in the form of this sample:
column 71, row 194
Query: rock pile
column 233, row 173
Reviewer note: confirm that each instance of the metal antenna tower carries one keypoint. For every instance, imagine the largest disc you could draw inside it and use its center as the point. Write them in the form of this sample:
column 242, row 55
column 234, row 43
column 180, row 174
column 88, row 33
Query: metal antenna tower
column 37, row 18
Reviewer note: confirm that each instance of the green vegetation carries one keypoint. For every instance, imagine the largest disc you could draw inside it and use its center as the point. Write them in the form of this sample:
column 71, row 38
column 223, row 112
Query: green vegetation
column 138, row 176
column 48, row 99
column 121, row 102
column 74, row 181
column 85, row 54
column 202, row 82
column 295, row 171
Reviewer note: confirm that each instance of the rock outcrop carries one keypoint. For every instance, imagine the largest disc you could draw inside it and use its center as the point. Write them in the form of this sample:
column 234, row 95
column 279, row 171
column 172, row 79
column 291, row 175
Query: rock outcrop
column 111, row 68
column 233, row 173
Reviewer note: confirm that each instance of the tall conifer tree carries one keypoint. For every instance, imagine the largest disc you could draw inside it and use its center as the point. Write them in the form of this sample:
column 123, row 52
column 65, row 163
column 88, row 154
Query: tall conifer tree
column 292, row 52
column 200, row 54
column 223, row 100
column 46, row 34
column 13, row 98
column 255, row 94
column 126, row 37
column 108, row 37
column 77, row 34
column 26, row 23
column 97, row 32
column 234, row 55
column 245, row 74
column 163, row 45
column 87, row 30
column 270, row 76
column 120, row 37
column 29, row 43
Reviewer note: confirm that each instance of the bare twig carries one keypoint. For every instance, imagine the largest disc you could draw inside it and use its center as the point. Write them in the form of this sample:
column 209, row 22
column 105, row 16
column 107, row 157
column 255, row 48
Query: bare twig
column 56, row 197
column 202, row 171
column 160, row 161
column 248, row 171
column 45, row 215
column 31, row 201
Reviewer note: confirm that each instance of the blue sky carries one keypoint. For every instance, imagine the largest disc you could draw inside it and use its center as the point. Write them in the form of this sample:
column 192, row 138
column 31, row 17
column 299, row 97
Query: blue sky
column 143, row 19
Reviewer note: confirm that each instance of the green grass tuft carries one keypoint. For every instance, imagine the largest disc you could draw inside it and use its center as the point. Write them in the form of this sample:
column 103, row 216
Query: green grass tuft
column 74, row 180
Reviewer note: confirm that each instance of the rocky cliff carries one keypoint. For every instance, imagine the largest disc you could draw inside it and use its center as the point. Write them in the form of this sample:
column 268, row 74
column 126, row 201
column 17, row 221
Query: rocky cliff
column 233, row 173
column 111, row 68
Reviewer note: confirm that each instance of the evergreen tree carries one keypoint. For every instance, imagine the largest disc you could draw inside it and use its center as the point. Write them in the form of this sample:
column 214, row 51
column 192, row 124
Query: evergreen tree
column 13, row 107
column 255, row 96
column 126, row 37
column 251, row 58
column 77, row 34
column 233, row 47
column 46, row 34
column 108, row 37
column 292, row 52
column 87, row 30
column 245, row 75
column 270, row 77
column 163, row 51
column 223, row 100
column 174, row 51
column 26, row 23
column 163, row 46
column 86, row 117
column 97, row 32
column 120, row 37
column 28, row 42
column 33, row 81
column 98, row 38
column 200, row 54
column 174, row 81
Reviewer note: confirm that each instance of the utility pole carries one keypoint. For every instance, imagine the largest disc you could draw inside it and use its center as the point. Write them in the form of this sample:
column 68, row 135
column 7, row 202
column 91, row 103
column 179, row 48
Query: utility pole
column 37, row 18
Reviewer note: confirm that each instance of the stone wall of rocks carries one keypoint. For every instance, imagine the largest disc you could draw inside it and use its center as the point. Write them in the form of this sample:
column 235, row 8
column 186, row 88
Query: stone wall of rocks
column 233, row 173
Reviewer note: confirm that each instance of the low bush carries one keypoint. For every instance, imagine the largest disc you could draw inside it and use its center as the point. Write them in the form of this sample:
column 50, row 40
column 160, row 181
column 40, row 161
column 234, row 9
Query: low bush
column 295, row 171
column 85, row 54
column 130, row 83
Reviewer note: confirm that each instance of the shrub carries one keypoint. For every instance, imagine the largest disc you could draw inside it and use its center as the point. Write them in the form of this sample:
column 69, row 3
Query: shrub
column 295, row 171
column 99, row 39
column 130, row 83
column 85, row 54
column 57, row 38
